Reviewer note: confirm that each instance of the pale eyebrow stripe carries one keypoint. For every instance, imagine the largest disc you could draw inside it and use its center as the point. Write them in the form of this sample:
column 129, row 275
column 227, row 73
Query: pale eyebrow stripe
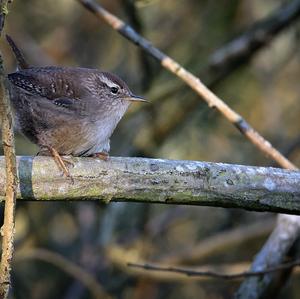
column 109, row 83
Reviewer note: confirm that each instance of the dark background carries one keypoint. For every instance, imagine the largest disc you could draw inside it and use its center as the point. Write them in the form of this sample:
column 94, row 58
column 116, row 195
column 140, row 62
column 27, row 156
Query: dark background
column 177, row 125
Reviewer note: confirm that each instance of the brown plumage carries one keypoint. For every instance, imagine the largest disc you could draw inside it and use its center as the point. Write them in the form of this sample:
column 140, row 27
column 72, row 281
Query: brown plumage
column 71, row 110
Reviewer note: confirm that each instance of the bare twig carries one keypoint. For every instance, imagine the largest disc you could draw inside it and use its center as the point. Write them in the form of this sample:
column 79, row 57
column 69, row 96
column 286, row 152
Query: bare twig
column 70, row 268
column 161, row 181
column 120, row 256
column 212, row 100
column 8, row 228
column 192, row 272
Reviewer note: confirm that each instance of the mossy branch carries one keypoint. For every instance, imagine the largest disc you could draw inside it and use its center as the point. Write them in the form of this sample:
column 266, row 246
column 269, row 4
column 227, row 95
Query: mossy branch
column 160, row 181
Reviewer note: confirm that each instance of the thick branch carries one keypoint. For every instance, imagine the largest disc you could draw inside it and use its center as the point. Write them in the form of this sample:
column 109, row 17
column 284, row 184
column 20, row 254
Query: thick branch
column 160, row 181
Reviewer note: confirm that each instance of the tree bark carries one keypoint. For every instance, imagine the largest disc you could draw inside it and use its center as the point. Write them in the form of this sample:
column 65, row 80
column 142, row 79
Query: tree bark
column 160, row 181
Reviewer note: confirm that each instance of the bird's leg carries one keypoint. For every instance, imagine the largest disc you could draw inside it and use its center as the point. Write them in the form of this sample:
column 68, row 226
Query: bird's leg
column 46, row 152
column 102, row 155
column 60, row 162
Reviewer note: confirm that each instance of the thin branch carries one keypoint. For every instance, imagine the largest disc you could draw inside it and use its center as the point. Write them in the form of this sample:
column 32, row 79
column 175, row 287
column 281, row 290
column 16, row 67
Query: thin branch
column 192, row 272
column 8, row 228
column 68, row 267
column 160, row 181
column 120, row 256
column 167, row 62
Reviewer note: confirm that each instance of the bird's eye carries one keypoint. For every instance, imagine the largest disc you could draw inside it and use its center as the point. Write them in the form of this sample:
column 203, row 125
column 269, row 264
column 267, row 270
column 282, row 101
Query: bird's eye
column 114, row 90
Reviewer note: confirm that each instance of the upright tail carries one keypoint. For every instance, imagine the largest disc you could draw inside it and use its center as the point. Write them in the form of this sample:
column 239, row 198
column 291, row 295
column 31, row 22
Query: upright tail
column 22, row 64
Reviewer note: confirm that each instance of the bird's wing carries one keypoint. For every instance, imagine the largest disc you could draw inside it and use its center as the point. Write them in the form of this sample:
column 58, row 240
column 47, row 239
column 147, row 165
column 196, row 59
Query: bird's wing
column 50, row 84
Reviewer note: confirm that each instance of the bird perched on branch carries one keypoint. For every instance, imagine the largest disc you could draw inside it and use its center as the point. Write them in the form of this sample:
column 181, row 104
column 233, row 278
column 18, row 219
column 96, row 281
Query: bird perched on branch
column 67, row 110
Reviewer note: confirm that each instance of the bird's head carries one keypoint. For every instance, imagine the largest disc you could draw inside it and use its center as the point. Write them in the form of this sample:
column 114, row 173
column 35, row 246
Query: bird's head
column 113, row 90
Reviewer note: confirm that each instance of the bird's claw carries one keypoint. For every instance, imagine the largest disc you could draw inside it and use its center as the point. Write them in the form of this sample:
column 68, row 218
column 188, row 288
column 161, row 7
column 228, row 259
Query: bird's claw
column 102, row 156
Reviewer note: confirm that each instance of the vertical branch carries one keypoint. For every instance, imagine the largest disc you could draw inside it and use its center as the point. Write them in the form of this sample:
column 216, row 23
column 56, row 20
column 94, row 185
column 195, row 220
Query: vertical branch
column 7, row 231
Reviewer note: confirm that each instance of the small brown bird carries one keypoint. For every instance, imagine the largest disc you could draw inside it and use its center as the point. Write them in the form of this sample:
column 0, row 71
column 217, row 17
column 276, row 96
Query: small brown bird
column 67, row 110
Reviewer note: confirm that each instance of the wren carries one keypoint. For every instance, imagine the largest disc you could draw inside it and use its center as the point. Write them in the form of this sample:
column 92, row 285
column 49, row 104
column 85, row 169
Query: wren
column 67, row 110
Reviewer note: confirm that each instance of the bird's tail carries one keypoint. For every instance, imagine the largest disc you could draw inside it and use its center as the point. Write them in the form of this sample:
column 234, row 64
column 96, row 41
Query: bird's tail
column 22, row 64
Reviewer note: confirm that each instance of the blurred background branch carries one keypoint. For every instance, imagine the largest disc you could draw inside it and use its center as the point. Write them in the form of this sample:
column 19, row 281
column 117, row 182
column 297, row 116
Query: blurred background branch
column 70, row 268
column 212, row 274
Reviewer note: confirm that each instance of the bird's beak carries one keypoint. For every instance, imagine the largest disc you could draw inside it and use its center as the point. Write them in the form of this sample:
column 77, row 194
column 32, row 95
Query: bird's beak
column 134, row 98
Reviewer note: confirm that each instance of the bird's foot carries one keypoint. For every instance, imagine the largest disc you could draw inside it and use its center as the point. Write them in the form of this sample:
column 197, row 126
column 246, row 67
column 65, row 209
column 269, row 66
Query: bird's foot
column 47, row 152
column 68, row 160
column 61, row 162
column 102, row 156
